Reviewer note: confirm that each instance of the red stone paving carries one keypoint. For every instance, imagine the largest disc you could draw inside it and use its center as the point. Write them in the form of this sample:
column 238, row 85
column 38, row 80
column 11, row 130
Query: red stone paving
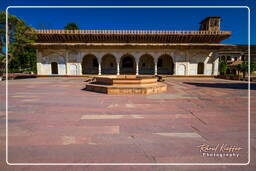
column 52, row 120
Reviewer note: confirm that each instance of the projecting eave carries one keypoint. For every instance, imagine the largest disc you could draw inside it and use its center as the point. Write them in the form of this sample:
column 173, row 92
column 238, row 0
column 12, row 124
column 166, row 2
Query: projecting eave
column 130, row 36
column 131, row 45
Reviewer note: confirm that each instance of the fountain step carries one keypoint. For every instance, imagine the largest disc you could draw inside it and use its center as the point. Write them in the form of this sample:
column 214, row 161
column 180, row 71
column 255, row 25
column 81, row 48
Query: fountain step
column 128, row 89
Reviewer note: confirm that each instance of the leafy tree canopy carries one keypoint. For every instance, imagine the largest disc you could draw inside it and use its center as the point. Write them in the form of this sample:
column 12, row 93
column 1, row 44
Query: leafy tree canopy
column 19, row 37
column 71, row 26
column 244, row 67
column 223, row 66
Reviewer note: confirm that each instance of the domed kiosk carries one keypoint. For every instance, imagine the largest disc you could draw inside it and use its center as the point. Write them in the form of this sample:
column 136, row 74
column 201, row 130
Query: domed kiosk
column 126, row 84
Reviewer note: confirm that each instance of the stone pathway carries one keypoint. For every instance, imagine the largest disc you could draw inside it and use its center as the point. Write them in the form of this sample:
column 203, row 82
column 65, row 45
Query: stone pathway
column 54, row 120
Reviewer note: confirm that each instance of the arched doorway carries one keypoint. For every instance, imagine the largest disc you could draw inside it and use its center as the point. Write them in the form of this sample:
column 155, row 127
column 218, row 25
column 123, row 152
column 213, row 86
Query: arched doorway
column 108, row 64
column 90, row 65
column 128, row 65
column 165, row 65
column 146, row 64
column 200, row 68
column 54, row 67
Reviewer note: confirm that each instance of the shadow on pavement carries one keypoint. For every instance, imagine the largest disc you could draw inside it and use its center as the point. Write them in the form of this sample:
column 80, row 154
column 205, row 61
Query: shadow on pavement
column 224, row 85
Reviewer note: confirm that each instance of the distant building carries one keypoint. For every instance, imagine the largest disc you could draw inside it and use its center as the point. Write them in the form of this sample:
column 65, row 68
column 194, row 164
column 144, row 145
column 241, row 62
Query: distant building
column 235, row 55
column 78, row 52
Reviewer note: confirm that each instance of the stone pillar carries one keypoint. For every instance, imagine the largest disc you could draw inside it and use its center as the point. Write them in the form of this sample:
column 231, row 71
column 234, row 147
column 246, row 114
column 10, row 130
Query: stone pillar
column 99, row 69
column 137, row 60
column 39, row 62
column 117, row 66
column 155, row 67
column 118, row 69
column 137, row 68
column 66, row 62
column 174, row 68
column 80, row 67
column 99, row 63
column 216, row 67
column 156, row 55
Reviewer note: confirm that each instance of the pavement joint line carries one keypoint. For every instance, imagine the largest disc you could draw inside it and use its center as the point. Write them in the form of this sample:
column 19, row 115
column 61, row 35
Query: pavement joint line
column 198, row 118
column 197, row 130
column 141, row 148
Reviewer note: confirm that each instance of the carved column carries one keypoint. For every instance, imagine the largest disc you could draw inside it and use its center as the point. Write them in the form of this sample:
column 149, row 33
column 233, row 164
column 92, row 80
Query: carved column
column 174, row 68
column 66, row 61
column 117, row 67
column 39, row 62
column 118, row 56
column 99, row 69
column 137, row 68
column 99, row 57
column 137, row 60
column 155, row 67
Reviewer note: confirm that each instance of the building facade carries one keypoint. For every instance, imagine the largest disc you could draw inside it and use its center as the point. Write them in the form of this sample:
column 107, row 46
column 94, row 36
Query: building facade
column 99, row 52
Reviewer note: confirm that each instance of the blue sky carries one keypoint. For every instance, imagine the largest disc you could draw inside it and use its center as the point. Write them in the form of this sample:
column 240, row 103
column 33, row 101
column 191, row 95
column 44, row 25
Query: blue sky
column 234, row 20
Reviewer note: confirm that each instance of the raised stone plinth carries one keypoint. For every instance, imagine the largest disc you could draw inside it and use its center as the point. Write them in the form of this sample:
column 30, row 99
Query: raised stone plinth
column 124, row 84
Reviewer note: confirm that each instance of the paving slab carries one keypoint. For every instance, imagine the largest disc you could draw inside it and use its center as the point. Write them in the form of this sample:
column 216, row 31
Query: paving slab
column 55, row 120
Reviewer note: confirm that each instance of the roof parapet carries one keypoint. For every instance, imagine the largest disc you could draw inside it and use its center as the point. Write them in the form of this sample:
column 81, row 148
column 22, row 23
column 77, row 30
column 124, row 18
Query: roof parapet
column 138, row 32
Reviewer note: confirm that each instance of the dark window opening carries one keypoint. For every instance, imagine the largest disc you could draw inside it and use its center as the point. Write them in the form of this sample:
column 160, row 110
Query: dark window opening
column 127, row 62
column 160, row 63
column 200, row 68
column 95, row 63
column 54, row 67
column 111, row 65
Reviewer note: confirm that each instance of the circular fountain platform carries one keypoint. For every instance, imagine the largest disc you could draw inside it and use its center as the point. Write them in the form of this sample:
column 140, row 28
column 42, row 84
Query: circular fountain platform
column 126, row 84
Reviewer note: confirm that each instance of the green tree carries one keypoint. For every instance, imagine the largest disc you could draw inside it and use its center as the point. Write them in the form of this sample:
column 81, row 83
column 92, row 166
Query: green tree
column 244, row 67
column 20, row 35
column 223, row 66
column 71, row 26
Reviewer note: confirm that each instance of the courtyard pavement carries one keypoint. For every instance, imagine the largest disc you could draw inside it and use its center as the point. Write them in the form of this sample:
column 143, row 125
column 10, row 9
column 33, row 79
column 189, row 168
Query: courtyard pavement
column 53, row 120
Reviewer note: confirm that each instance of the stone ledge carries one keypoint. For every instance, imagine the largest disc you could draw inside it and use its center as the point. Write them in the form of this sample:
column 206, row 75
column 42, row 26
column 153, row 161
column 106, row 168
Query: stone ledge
column 128, row 89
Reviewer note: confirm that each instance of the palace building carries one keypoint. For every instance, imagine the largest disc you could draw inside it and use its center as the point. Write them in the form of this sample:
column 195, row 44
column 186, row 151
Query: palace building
column 116, row 52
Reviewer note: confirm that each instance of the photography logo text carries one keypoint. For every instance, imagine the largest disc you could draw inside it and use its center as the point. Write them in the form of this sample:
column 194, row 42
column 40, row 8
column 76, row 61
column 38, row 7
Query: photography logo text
column 219, row 150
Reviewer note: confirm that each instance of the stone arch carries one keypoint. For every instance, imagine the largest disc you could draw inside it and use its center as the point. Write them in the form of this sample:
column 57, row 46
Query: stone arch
column 54, row 68
column 90, row 64
column 127, row 64
column 200, row 68
column 146, row 64
column 108, row 64
column 165, row 64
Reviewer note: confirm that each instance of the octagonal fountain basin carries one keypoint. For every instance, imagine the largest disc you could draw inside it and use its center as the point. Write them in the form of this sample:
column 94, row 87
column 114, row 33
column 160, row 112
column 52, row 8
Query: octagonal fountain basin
column 126, row 84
